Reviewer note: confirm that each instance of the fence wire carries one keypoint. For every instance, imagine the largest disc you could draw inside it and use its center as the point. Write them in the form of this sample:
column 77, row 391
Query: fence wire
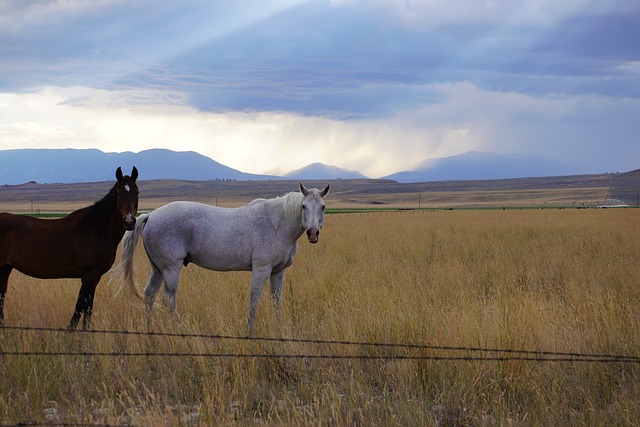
column 427, row 352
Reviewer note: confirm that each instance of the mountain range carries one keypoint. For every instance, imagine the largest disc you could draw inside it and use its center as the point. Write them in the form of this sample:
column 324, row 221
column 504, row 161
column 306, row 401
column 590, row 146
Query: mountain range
column 475, row 165
column 92, row 165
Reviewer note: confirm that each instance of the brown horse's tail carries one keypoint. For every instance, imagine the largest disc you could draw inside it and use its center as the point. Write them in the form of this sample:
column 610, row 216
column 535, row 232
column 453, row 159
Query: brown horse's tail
column 124, row 270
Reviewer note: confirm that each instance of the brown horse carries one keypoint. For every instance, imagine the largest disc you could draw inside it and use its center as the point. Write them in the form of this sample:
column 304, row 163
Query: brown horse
column 81, row 245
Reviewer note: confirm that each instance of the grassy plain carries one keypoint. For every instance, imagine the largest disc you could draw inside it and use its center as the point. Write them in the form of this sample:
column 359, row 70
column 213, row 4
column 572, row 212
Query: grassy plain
column 540, row 280
column 578, row 191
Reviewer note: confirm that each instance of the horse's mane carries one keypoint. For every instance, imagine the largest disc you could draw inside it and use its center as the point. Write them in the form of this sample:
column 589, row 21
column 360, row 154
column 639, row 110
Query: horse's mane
column 100, row 211
column 291, row 201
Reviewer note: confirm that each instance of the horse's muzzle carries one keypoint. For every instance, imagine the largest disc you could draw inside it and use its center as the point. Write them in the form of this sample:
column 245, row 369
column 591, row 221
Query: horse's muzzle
column 129, row 222
column 313, row 234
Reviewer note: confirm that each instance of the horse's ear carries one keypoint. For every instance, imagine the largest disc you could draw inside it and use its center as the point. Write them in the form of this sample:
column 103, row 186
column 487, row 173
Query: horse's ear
column 134, row 173
column 325, row 190
column 303, row 189
column 119, row 174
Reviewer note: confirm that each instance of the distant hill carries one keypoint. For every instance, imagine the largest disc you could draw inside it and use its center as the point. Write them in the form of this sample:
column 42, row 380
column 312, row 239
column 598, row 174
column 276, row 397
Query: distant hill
column 92, row 165
column 475, row 165
column 322, row 171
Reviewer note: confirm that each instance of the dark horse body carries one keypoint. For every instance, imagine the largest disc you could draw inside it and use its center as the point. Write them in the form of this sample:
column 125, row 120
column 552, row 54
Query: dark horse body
column 81, row 245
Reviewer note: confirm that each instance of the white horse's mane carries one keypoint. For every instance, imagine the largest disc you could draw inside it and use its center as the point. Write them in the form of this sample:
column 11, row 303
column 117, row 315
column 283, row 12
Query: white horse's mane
column 292, row 202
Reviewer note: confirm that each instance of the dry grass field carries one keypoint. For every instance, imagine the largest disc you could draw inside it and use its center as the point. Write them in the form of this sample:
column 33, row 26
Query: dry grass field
column 536, row 280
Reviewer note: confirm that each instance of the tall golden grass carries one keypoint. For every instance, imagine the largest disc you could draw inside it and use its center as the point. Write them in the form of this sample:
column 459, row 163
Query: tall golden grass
column 541, row 280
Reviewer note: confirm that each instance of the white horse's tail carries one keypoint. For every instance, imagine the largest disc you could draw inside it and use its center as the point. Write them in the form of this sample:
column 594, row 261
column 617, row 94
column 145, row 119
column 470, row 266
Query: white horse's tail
column 124, row 270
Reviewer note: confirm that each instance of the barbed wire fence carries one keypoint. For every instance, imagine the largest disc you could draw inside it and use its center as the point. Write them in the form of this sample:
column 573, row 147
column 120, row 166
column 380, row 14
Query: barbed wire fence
column 423, row 352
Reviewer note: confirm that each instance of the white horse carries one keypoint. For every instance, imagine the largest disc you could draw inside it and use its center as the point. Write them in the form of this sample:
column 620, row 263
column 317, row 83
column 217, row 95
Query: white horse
column 260, row 237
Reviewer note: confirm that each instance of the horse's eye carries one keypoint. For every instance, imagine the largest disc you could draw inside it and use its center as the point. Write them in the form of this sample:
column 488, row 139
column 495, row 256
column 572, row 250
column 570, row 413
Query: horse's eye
column 323, row 208
column 304, row 206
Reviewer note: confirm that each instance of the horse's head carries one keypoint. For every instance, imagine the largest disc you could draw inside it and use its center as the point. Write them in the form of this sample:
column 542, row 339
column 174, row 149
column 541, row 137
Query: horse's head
column 127, row 191
column 313, row 211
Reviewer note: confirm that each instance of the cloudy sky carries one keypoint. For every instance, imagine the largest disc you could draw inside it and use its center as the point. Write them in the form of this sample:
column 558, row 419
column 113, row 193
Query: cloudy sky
column 370, row 85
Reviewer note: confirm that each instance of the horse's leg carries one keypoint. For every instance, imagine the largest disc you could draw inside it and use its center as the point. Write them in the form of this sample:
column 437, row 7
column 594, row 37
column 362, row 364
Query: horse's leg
column 259, row 278
column 84, row 305
column 5, row 271
column 150, row 291
column 171, row 279
column 276, row 282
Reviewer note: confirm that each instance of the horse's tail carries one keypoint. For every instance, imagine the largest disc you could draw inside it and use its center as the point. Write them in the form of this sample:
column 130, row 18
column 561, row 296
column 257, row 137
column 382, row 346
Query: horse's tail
column 124, row 270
